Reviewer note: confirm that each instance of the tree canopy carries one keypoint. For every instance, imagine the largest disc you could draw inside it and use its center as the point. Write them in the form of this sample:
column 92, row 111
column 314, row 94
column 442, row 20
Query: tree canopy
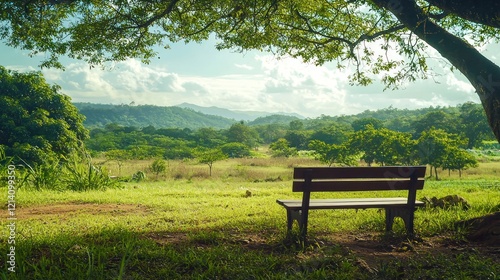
column 382, row 39
column 36, row 121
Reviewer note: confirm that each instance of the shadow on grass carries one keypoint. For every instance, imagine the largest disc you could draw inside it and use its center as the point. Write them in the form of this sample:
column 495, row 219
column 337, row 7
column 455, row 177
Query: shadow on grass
column 118, row 253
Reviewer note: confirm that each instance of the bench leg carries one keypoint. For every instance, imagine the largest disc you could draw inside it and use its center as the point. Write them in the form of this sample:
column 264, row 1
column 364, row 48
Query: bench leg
column 405, row 214
column 292, row 215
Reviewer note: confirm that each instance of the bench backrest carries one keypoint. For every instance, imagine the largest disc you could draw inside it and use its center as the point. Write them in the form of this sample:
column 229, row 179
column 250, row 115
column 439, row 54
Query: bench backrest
column 331, row 179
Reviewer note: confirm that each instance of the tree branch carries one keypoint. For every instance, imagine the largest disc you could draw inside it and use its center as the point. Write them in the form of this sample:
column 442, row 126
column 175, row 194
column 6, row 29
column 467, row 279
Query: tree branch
column 485, row 12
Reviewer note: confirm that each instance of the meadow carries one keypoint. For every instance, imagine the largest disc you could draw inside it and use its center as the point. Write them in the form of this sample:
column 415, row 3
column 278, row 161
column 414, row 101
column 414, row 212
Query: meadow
column 185, row 224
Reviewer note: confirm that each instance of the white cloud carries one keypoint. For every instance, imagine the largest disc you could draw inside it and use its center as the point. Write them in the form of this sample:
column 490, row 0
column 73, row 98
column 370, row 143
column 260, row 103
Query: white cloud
column 305, row 88
column 243, row 66
column 274, row 85
column 457, row 85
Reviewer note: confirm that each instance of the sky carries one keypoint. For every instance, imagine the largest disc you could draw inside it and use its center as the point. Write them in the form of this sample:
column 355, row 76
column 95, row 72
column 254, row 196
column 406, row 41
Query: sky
column 253, row 81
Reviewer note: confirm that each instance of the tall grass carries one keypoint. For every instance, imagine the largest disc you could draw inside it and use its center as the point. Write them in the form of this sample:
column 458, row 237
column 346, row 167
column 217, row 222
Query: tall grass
column 82, row 175
column 76, row 173
column 45, row 176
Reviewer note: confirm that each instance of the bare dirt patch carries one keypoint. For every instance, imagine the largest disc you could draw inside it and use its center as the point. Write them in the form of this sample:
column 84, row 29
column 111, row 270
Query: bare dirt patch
column 370, row 248
column 76, row 208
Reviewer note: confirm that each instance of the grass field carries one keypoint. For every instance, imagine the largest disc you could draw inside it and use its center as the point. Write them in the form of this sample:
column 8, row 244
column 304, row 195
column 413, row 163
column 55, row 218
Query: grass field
column 187, row 225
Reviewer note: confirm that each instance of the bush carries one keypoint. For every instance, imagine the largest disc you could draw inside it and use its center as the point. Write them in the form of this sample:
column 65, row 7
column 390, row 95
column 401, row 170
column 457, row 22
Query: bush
column 158, row 166
column 138, row 176
column 82, row 175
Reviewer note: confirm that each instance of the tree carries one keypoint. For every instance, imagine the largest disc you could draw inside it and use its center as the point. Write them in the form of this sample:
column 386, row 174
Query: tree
column 474, row 124
column 360, row 124
column 210, row 156
column 239, row 132
column 383, row 146
column 298, row 139
column 235, row 150
column 296, row 125
column 281, row 148
column 459, row 159
column 37, row 122
column 335, row 133
column 435, row 147
column 317, row 31
column 270, row 132
column 438, row 119
column 158, row 166
column 332, row 153
column 209, row 137
column 119, row 156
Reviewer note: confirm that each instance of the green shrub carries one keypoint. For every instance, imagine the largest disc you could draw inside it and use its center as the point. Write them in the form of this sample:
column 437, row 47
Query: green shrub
column 45, row 176
column 138, row 176
column 82, row 175
column 158, row 166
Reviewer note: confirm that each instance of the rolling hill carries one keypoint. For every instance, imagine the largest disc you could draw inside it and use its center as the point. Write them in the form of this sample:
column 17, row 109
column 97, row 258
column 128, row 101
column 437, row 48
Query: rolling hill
column 99, row 115
column 234, row 114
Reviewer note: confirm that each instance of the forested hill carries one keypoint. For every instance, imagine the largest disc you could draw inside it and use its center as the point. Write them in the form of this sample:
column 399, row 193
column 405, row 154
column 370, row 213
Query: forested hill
column 236, row 114
column 99, row 115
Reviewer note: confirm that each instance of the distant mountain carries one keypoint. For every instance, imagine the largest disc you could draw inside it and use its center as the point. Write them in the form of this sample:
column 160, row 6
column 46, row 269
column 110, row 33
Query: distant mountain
column 99, row 115
column 234, row 114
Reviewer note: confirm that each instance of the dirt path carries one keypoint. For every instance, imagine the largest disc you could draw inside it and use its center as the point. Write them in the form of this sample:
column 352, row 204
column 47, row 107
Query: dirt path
column 75, row 208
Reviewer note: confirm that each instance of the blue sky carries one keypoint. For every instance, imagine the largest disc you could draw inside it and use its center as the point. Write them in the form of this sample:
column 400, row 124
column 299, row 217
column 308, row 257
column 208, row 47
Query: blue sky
column 254, row 81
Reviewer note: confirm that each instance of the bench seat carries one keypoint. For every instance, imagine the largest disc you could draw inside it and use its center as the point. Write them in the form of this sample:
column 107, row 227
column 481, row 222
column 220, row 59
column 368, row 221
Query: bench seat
column 348, row 203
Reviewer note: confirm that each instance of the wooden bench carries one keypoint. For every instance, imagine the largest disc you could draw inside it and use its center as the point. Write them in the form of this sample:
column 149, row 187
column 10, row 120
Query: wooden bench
column 354, row 179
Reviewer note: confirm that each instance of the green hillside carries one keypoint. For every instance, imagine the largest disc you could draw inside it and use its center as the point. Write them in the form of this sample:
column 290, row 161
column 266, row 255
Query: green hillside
column 99, row 115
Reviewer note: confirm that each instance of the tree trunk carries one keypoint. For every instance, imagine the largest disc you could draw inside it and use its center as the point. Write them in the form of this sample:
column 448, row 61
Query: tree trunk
column 483, row 74
column 484, row 12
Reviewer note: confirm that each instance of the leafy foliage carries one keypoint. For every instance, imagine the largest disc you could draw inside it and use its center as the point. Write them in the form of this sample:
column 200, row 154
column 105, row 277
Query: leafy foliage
column 333, row 153
column 37, row 122
column 210, row 156
column 435, row 147
column 383, row 146
column 239, row 132
column 281, row 148
column 235, row 150
column 158, row 166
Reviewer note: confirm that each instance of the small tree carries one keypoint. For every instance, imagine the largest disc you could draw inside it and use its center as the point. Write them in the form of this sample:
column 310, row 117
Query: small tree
column 459, row 159
column 119, row 156
column 281, row 148
column 210, row 156
column 158, row 166
column 435, row 146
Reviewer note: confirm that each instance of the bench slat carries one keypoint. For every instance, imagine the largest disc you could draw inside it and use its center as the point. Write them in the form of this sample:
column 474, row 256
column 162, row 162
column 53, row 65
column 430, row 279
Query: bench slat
column 360, row 172
column 362, row 185
column 349, row 203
